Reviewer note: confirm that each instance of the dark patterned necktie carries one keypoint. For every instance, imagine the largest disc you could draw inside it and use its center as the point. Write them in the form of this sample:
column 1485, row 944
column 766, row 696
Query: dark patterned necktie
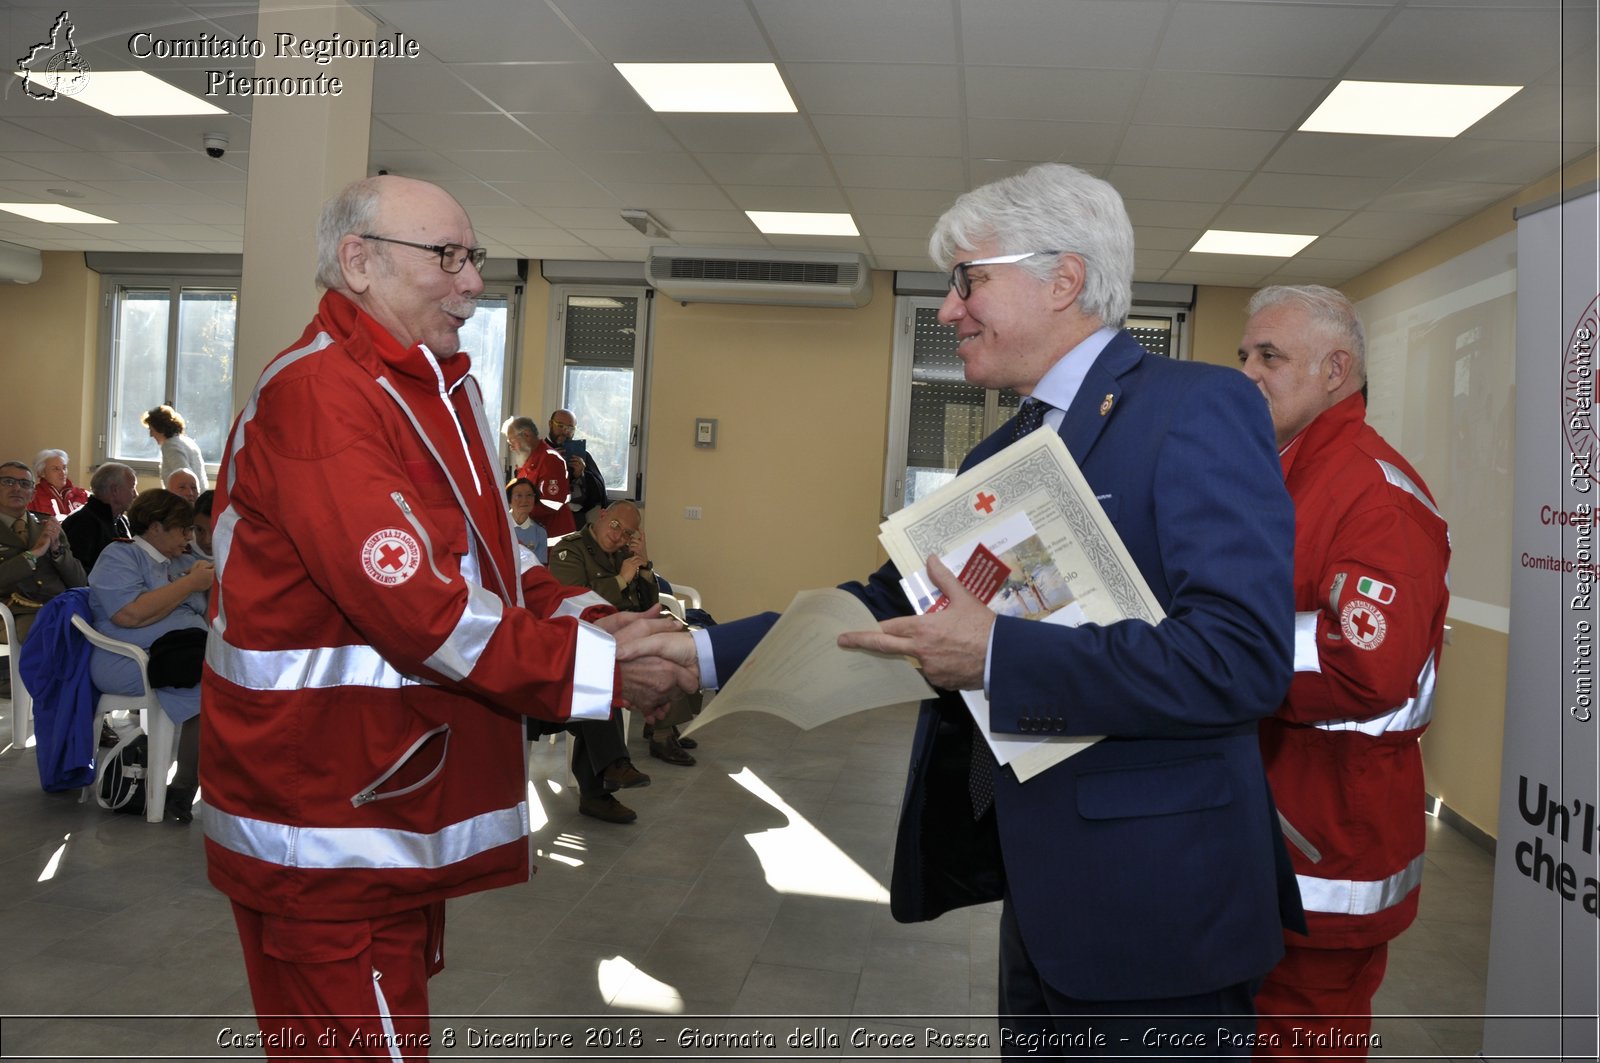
column 980, row 770
column 19, row 528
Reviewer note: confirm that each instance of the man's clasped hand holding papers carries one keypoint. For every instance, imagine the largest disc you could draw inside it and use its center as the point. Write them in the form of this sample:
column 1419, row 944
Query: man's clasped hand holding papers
column 1027, row 537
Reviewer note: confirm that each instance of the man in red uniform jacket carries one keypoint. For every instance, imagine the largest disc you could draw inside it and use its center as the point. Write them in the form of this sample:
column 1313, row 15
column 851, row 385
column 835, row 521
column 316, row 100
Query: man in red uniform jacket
column 369, row 657
column 1342, row 754
column 546, row 467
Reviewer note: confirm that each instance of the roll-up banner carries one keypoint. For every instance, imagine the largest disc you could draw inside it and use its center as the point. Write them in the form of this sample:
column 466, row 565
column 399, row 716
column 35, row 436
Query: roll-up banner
column 1544, row 946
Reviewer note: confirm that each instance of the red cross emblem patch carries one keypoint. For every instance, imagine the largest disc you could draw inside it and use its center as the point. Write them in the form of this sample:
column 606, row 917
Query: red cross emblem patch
column 1363, row 624
column 390, row 557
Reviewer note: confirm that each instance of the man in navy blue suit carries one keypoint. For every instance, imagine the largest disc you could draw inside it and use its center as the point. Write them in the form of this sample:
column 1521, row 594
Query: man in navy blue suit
column 1144, row 878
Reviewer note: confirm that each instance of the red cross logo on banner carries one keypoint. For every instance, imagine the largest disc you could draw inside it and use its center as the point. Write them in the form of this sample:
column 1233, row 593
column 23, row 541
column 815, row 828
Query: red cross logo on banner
column 1363, row 624
column 390, row 557
column 985, row 502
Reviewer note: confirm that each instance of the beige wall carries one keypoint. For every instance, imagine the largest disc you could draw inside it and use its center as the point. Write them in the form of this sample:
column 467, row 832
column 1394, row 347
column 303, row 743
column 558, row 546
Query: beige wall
column 791, row 495
column 47, row 358
column 1218, row 322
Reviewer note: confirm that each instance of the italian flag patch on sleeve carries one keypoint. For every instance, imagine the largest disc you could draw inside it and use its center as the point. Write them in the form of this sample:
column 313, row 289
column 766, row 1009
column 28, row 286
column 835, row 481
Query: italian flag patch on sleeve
column 1376, row 590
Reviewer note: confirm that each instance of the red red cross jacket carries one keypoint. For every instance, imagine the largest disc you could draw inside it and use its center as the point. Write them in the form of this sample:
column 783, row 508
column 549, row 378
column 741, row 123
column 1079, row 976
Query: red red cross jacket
column 546, row 467
column 1371, row 553
column 375, row 633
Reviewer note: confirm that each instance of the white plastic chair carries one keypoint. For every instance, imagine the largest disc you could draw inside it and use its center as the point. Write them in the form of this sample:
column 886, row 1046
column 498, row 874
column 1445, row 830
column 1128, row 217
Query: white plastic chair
column 683, row 596
column 161, row 734
column 21, row 700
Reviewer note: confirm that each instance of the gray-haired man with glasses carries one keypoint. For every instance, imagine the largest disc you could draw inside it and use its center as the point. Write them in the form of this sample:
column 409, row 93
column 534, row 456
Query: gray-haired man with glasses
column 1142, row 880
column 375, row 639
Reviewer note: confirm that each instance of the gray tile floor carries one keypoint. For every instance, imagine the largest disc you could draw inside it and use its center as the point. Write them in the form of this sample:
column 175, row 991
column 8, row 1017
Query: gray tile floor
column 670, row 928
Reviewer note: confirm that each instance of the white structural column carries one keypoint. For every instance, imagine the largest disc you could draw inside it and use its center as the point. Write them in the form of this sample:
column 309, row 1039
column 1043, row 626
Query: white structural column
column 303, row 148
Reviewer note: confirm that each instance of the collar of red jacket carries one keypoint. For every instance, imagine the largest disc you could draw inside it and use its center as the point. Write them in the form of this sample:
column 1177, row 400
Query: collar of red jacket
column 1343, row 416
column 364, row 339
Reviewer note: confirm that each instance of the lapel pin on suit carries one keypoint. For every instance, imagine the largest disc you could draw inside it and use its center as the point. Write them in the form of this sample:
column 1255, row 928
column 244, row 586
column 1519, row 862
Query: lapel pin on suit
column 1105, row 405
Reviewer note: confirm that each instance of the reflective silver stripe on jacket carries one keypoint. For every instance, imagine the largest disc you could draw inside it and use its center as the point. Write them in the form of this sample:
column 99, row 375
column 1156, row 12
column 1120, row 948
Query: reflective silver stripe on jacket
column 366, row 848
column 1305, row 643
column 302, row 669
column 578, row 604
column 459, row 654
column 1342, row 896
column 1404, row 482
column 594, row 666
column 1414, row 713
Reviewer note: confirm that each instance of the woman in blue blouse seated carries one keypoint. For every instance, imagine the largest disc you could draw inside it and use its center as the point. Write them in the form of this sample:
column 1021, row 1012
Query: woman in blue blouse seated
column 521, row 495
column 151, row 591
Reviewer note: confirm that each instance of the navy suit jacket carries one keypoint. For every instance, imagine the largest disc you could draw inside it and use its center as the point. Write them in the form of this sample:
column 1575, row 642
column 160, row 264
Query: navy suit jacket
column 1150, row 865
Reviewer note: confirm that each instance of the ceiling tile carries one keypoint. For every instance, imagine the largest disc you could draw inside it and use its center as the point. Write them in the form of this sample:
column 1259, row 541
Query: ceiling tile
column 1082, row 33
column 629, row 167
column 1156, row 238
column 1374, row 225
column 421, row 85
column 668, row 31
column 1192, row 186
column 553, row 88
column 498, row 30
column 1051, row 94
column 1305, row 220
column 758, row 197
column 901, row 171
column 873, row 135
column 541, row 194
column 1351, row 156
column 768, row 169
column 1443, row 197
column 885, row 31
column 448, row 132
column 891, row 201
column 1504, row 46
column 1207, row 148
column 876, row 88
column 667, row 196
column 741, row 132
column 1228, row 101
column 1231, row 38
column 600, row 132
column 1294, row 189
column 1080, row 143
column 1171, row 215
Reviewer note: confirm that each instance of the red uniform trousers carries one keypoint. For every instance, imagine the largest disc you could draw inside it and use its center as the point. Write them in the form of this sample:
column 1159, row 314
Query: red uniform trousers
column 355, row 989
column 1318, row 1002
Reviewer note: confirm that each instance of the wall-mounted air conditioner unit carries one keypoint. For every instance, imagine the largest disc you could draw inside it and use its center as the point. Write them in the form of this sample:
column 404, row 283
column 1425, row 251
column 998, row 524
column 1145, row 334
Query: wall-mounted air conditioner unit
column 18, row 264
column 783, row 278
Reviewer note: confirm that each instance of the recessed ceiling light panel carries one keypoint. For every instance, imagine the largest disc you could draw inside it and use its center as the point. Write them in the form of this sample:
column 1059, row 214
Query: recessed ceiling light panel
column 1233, row 242
column 128, row 93
column 1402, row 109
column 801, row 223
column 711, row 88
column 55, row 213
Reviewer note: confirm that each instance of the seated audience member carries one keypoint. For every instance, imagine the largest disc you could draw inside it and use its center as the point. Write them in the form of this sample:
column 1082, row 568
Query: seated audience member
column 36, row 562
column 54, row 495
column 178, row 451
column 201, row 547
column 610, row 557
column 521, row 496
column 545, row 467
column 100, row 522
column 152, row 593
column 185, row 485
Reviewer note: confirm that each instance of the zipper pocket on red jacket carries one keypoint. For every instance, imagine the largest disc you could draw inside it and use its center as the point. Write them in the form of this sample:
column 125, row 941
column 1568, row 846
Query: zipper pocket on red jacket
column 422, row 533
column 369, row 793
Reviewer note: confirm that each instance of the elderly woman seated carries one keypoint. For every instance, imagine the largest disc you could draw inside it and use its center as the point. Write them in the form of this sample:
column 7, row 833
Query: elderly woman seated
column 54, row 495
column 152, row 592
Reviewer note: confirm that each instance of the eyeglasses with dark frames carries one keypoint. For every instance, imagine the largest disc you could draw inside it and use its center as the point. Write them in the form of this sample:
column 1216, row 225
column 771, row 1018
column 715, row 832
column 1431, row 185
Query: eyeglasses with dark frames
column 452, row 257
column 963, row 284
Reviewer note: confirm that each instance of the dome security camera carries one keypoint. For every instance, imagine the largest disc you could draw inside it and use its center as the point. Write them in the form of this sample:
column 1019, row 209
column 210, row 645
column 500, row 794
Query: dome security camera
column 216, row 144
